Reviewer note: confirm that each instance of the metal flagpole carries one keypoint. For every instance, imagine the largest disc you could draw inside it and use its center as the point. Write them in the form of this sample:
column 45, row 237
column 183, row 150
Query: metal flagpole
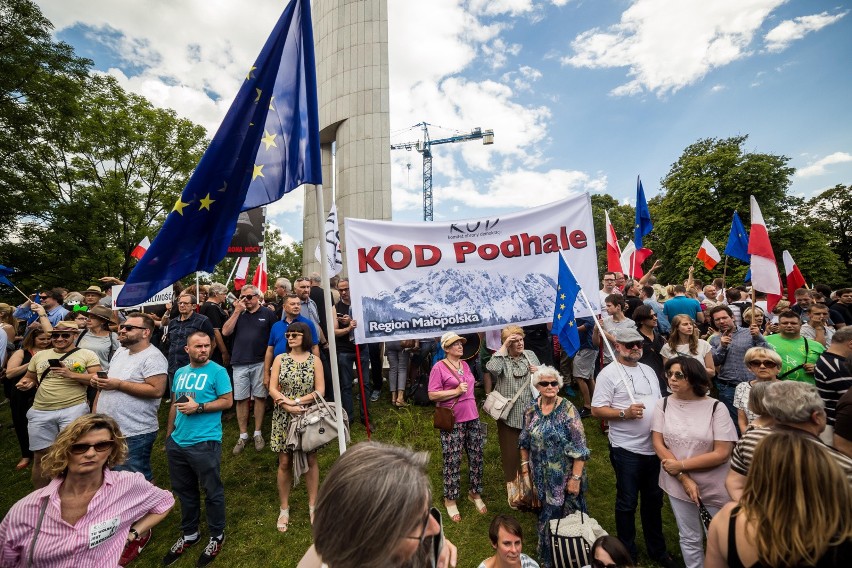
column 234, row 269
column 330, row 318
column 609, row 349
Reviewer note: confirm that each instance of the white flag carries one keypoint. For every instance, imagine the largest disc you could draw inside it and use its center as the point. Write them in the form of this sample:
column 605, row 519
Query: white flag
column 332, row 244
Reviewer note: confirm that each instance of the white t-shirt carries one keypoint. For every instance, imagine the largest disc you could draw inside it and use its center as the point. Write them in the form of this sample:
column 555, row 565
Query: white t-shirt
column 631, row 435
column 134, row 415
column 610, row 325
column 702, row 349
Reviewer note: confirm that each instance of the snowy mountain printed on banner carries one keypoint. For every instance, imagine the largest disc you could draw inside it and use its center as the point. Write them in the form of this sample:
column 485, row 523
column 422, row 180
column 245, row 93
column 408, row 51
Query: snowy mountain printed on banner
column 448, row 299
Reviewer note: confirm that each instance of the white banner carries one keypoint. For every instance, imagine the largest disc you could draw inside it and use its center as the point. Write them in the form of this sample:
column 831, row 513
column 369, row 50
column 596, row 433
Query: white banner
column 161, row 297
column 420, row 280
column 332, row 244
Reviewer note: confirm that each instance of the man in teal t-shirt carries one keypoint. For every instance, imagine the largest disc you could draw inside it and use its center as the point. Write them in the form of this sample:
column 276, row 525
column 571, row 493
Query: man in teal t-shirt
column 798, row 355
column 200, row 392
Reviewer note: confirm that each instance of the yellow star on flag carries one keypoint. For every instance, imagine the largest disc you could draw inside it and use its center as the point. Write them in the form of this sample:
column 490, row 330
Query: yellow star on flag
column 570, row 324
column 179, row 205
column 206, row 202
column 561, row 296
column 562, row 307
column 258, row 94
column 268, row 139
column 258, row 172
column 250, row 75
column 559, row 316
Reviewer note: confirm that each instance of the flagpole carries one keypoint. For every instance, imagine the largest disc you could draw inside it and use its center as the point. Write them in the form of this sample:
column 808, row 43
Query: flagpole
column 724, row 273
column 608, row 346
column 330, row 318
column 233, row 270
column 22, row 294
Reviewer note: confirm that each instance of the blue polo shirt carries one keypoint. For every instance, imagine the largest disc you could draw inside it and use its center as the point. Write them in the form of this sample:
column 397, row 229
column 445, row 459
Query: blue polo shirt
column 279, row 342
column 682, row 305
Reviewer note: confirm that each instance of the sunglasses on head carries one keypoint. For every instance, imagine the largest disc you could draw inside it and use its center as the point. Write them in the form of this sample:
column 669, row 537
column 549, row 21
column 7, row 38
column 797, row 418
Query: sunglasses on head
column 548, row 383
column 768, row 364
column 61, row 335
column 293, row 334
column 100, row 447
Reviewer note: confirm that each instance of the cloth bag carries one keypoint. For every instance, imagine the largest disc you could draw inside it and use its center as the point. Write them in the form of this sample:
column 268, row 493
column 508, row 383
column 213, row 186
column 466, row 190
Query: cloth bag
column 316, row 427
column 522, row 494
column 498, row 406
column 571, row 540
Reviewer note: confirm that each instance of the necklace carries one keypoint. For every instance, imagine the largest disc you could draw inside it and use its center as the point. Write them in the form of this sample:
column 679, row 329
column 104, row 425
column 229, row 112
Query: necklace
column 457, row 368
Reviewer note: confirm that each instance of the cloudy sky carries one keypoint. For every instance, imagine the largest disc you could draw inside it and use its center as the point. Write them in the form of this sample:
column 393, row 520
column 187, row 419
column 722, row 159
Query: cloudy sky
column 582, row 95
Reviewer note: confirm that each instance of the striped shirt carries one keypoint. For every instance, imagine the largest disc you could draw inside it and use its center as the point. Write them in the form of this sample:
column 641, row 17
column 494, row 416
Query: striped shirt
column 94, row 541
column 832, row 381
column 743, row 453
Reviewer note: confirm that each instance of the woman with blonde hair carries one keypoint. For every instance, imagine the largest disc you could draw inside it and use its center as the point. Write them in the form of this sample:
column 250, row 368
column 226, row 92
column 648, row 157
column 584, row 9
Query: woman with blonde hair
column 794, row 510
column 88, row 514
column 684, row 340
column 511, row 366
column 764, row 364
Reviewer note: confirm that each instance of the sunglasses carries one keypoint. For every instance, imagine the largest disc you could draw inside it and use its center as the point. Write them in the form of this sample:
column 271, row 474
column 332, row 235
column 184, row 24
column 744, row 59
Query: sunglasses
column 127, row 326
column 293, row 334
column 248, row 296
column 633, row 345
column 548, row 384
column 598, row 564
column 677, row 375
column 100, row 447
column 61, row 335
column 768, row 364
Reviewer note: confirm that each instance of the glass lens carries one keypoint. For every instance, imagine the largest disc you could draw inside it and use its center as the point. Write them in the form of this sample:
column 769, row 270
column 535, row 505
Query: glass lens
column 99, row 447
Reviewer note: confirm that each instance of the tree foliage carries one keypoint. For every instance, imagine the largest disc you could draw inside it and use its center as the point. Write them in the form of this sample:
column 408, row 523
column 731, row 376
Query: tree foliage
column 283, row 260
column 830, row 213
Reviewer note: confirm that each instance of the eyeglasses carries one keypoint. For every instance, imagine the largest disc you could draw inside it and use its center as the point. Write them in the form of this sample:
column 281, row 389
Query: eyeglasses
column 100, row 447
column 42, row 298
column 432, row 512
column 248, row 296
column 768, row 364
column 127, row 326
column 633, row 345
column 293, row 334
column 548, row 384
column 61, row 335
column 598, row 564
column 675, row 375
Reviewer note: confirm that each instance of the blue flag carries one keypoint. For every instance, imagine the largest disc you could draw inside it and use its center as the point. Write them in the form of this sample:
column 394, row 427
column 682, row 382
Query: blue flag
column 564, row 323
column 266, row 146
column 5, row 272
column 737, row 246
column 643, row 223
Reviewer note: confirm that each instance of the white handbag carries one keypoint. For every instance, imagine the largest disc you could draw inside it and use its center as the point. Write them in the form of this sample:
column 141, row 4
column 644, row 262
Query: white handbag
column 498, row 406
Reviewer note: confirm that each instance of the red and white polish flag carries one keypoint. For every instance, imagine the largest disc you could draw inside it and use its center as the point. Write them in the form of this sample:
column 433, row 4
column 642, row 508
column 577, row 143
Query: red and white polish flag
column 241, row 273
column 613, row 251
column 764, row 267
column 632, row 259
column 260, row 274
column 708, row 254
column 795, row 280
column 140, row 249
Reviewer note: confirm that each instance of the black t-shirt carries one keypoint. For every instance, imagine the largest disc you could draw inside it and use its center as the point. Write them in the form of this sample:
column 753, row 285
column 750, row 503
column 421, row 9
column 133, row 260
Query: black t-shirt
column 343, row 342
column 651, row 357
column 632, row 303
column 537, row 339
column 251, row 336
column 217, row 317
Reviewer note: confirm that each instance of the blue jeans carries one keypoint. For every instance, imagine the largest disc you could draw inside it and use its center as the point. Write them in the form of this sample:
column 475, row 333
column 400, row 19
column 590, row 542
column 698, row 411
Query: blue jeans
column 139, row 455
column 345, row 367
column 189, row 467
column 635, row 474
column 726, row 395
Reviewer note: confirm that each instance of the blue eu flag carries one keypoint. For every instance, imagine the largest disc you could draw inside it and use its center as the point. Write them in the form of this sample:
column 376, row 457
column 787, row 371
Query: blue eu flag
column 643, row 223
column 266, row 146
column 5, row 272
column 564, row 323
column 737, row 246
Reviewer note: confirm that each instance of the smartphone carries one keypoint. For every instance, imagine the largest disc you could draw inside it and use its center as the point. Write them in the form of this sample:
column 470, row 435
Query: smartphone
column 183, row 399
column 102, row 375
column 54, row 362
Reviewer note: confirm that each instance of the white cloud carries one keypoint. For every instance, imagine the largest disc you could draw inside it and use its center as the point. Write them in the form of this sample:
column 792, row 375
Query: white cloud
column 819, row 167
column 718, row 88
column 788, row 31
column 670, row 44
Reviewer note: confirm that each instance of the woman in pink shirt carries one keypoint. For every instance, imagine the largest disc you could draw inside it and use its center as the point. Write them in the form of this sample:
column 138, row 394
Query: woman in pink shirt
column 451, row 385
column 87, row 514
column 693, row 436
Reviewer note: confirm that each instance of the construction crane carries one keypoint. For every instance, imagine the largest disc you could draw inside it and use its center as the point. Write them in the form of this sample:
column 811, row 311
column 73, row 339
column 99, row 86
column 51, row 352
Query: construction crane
column 425, row 148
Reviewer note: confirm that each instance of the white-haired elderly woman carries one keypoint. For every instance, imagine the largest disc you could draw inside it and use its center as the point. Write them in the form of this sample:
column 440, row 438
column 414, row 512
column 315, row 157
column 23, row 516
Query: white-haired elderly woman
column 554, row 452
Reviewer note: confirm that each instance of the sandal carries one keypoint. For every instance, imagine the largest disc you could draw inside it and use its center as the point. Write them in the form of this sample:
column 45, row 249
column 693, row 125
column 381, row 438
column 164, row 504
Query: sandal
column 283, row 520
column 453, row 512
column 478, row 503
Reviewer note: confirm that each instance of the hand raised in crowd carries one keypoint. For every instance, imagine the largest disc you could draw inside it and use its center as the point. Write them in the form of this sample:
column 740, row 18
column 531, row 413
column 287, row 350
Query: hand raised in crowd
column 725, row 339
column 38, row 309
column 657, row 265
column 755, row 331
column 239, row 306
column 509, row 341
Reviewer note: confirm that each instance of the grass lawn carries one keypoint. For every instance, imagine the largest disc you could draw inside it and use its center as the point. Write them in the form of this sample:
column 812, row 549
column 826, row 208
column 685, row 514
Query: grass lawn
column 252, row 499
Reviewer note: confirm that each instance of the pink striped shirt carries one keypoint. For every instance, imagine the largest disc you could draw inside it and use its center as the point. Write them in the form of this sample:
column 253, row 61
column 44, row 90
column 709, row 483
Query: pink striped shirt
column 96, row 540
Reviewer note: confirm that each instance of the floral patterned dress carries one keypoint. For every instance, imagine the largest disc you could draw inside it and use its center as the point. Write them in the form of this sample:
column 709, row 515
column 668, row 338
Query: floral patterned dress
column 554, row 441
column 294, row 380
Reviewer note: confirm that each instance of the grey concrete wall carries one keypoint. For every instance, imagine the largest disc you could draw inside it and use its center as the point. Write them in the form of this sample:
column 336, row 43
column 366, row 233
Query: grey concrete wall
column 351, row 39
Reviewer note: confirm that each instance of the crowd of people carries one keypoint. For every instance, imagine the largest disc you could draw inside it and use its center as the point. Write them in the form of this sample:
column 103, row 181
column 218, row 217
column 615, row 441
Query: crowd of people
column 734, row 412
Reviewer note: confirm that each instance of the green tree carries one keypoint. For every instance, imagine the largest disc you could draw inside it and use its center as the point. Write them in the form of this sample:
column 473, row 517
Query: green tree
column 283, row 260
column 712, row 179
column 830, row 213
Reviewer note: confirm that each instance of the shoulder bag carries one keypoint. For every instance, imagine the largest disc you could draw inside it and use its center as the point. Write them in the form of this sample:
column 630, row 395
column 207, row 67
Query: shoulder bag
column 498, row 406
column 444, row 418
column 571, row 539
column 316, row 427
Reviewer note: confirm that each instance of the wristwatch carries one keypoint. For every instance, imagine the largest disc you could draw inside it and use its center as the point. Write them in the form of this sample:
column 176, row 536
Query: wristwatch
column 200, row 409
column 133, row 531
column 621, row 414
column 576, row 477
column 297, row 402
